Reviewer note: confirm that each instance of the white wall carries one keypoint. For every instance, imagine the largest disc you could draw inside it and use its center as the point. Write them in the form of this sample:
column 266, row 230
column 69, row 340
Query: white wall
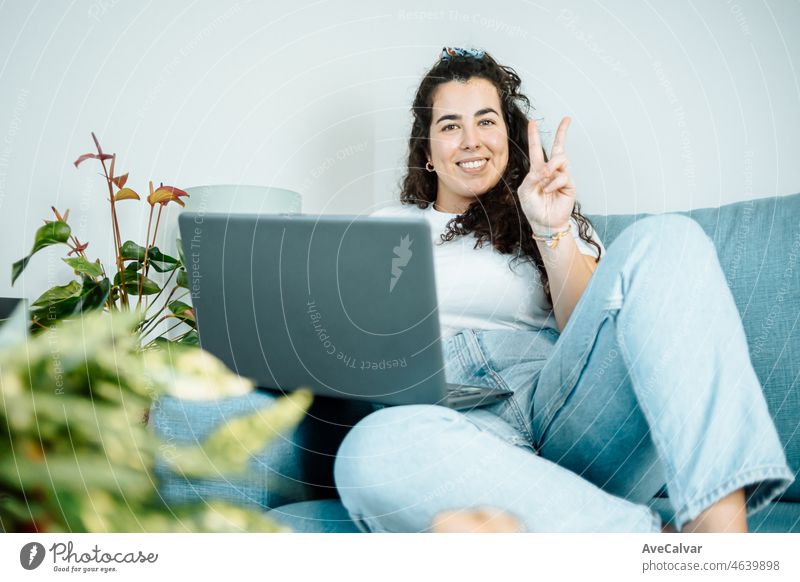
column 674, row 105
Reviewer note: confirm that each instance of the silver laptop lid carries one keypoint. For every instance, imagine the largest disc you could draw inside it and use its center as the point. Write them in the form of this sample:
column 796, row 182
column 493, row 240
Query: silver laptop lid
column 344, row 305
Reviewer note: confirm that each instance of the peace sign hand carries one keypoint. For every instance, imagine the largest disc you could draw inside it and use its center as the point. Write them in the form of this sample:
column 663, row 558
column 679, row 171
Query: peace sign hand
column 547, row 194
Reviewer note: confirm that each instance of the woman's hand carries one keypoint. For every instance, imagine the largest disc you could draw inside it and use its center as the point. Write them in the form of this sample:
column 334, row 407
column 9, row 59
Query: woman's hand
column 547, row 194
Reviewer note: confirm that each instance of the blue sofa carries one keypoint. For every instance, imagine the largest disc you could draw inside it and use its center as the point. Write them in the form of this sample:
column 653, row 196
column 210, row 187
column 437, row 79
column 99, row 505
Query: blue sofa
column 758, row 242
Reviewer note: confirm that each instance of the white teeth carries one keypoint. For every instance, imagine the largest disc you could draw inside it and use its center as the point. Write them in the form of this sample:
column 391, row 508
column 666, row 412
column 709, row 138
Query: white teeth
column 472, row 165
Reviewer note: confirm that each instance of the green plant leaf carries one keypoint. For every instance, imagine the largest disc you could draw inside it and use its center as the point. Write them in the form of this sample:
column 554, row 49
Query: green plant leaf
column 101, row 478
column 183, row 312
column 181, row 258
column 178, row 306
column 161, row 262
column 65, row 473
column 182, row 280
column 149, row 287
column 71, row 290
column 93, row 294
column 50, row 234
column 18, row 267
column 156, row 255
column 82, row 266
column 56, row 303
column 132, row 269
column 130, row 250
column 190, row 339
column 187, row 317
column 131, row 273
column 162, row 267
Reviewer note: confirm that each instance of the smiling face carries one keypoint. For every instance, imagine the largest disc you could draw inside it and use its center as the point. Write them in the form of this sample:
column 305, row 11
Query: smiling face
column 468, row 141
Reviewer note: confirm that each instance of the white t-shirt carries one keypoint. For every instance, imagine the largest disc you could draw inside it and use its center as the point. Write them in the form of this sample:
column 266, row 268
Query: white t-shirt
column 476, row 288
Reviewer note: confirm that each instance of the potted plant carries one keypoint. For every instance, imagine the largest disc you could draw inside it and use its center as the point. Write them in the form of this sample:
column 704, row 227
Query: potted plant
column 76, row 454
column 127, row 285
column 81, row 370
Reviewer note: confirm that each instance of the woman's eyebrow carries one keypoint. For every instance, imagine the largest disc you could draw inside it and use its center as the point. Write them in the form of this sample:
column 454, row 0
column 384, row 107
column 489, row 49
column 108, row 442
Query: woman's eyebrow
column 477, row 113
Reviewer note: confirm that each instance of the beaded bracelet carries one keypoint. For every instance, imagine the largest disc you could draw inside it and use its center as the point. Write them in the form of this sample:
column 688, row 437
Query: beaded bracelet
column 551, row 240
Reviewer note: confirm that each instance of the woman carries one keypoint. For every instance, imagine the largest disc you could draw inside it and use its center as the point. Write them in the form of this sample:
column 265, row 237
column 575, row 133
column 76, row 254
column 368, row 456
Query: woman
column 630, row 372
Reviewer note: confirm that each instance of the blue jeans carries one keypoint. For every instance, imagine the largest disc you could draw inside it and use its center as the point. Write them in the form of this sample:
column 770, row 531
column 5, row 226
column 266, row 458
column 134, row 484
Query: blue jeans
column 649, row 385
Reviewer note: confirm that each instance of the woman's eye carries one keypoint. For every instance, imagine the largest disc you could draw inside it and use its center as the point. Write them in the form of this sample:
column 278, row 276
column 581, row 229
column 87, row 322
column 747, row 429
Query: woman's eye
column 449, row 125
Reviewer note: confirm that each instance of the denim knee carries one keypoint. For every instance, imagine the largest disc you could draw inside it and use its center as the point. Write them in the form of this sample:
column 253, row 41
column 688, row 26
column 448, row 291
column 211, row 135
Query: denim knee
column 669, row 235
column 378, row 448
column 667, row 248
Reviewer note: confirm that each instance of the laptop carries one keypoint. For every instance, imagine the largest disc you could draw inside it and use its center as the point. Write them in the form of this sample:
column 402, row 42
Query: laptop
column 14, row 321
column 342, row 305
column 7, row 307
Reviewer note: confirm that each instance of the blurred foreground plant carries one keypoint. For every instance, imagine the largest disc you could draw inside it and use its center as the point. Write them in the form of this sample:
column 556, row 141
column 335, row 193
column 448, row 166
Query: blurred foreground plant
column 75, row 453
column 113, row 289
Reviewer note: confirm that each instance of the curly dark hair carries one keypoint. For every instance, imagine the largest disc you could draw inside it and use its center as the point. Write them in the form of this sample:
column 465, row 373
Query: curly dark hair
column 496, row 216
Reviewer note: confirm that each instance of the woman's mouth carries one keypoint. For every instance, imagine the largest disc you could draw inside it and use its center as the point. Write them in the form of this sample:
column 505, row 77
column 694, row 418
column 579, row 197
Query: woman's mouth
column 473, row 166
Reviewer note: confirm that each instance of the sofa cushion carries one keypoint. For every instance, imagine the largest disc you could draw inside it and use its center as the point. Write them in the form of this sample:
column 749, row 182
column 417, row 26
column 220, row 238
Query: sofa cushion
column 296, row 466
column 758, row 243
column 778, row 517
column 330, row 516
column 323, row 516
column 274, row 478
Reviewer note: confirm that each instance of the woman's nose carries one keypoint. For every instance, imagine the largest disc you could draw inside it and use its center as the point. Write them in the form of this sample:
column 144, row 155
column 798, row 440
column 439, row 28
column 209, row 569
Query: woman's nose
column 470, row 138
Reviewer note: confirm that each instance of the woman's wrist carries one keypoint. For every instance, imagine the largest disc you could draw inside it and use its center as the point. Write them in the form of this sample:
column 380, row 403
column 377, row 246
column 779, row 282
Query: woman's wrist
column 550, row 236
column 547, row 230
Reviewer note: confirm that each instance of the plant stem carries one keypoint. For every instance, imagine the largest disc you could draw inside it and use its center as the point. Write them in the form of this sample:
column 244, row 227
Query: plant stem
column 171, row 328
column 181, row 297
column 158, row 221
column 77, row 244
column 179, row 338
column 144, row 332
column 145, row 266
column 166, row 283
column 160, row 311
column 146, row 252
column 39, row 324
column 115, row 224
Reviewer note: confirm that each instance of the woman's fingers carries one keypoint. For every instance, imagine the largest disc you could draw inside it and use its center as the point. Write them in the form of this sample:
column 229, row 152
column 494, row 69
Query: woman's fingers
column 560, row 180
column 550, row 176
column 535, row 151
column 557, row 163
column 561, row 137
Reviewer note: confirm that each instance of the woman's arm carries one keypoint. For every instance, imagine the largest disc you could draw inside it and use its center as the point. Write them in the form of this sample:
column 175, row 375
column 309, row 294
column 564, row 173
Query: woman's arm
column 547, row 196
column 568, row 272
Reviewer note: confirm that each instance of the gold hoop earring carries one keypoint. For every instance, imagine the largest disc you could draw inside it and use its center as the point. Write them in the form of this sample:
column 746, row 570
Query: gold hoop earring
column 429, row 166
